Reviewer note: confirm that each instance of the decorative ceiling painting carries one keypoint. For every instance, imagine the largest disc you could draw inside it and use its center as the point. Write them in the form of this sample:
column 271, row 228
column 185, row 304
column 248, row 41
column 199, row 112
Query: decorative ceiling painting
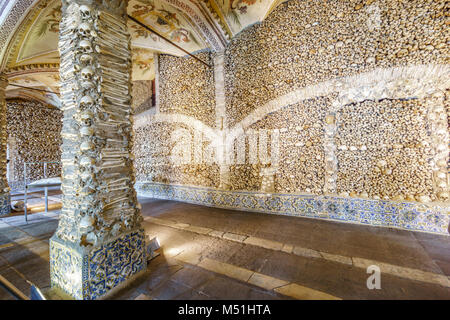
column 166, row 20
column 38, row 40
column 44, row 97
column 239, row 14
column 31, row 46
column 42, row 38
column 143, row 64
column 38, row 79
column 48, row 80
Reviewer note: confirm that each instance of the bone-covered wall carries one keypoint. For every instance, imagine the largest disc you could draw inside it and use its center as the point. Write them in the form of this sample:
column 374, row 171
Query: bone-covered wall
column 187, row 87
column 5, row 198
column 339, row 100
column 34, row 135
column 141, row 95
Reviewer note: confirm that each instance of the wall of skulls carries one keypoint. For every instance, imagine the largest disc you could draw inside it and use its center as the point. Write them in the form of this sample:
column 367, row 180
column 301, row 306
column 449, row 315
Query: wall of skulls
column 187, row 87
column 300, row 166
column 306, row 42
column 381, row 150
column 348, row 99
column 141, row 95
column 34, row 135
column 168, row 158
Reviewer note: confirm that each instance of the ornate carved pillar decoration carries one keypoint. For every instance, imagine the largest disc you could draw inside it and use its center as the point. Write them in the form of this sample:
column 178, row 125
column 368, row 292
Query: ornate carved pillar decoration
column 5, row 198
column 99, row 245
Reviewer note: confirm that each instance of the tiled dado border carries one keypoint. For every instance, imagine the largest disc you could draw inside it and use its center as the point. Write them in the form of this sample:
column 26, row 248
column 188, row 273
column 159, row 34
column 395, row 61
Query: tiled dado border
column 394, row 214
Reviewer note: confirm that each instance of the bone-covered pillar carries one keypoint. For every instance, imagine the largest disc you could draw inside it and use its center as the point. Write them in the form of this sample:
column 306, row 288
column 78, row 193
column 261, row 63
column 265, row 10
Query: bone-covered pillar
column 99, row 245
column 5, row 198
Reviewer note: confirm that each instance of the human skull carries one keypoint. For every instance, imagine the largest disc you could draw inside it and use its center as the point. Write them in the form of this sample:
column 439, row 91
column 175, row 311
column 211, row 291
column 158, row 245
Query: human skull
column 86, row 117
column 86, row 176
column 92, row 238
column 87, row 84
column 86, row 101
column 443, row 195
column 86, row 46
column 87, row 224
column 85, row 11
column 86, row 162
column 87, row 131
column 87, row 73
column 85, row 29
column 87, row 145
column 86, row 58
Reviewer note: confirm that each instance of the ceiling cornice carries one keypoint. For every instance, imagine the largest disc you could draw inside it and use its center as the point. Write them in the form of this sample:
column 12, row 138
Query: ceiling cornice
column 31, row 68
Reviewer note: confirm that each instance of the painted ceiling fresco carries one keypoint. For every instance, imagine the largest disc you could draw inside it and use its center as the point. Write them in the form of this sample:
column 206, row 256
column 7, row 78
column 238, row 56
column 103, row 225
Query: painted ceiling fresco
column 143, row 64
column 40, row 42
column 241, row 13
column 166, row 20
column 191, row 24
column 44, row 80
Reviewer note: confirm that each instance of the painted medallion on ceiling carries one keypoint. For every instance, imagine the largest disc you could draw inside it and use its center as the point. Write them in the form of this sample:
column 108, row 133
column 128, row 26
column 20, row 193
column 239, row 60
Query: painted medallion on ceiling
column 166, row 20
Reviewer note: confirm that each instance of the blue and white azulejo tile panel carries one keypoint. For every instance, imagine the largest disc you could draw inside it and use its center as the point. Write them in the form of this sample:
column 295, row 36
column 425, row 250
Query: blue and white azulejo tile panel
column 90, row 273
column 395, row 214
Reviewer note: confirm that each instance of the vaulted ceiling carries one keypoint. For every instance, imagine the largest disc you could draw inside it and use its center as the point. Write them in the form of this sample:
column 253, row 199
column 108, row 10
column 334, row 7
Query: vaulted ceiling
column 29, row 35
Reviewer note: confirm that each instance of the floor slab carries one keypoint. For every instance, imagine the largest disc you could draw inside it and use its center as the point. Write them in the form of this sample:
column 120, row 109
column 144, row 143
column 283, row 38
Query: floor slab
column 209, row 253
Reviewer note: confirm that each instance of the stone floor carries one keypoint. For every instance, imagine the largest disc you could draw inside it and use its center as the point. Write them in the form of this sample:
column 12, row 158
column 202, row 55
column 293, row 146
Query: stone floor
column 209, row 253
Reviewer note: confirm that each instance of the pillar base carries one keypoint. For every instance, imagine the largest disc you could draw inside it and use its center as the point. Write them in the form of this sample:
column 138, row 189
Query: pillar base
column 5, row 204
column 95, row 272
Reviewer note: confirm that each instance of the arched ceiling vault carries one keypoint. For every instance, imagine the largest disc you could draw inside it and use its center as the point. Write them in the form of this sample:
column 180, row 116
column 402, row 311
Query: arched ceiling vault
column 29, row 36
